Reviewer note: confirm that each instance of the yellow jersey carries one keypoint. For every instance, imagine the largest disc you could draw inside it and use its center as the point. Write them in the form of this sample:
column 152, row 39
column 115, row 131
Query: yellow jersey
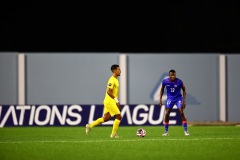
column 114, row 85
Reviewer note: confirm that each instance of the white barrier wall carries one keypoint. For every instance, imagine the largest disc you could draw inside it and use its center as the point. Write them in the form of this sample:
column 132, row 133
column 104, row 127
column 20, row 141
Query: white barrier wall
column 233, row 88
column 8, row 78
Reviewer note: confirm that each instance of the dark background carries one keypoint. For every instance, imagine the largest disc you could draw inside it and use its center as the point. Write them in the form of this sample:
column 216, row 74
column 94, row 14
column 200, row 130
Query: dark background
column 138, row 27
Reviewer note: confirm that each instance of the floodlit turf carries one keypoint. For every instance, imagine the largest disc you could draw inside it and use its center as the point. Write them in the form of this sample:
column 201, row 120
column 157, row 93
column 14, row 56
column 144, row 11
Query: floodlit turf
column 42, row 143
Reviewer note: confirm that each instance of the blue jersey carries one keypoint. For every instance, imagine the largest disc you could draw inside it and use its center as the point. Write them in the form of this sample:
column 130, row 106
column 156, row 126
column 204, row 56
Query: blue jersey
column 173, row 88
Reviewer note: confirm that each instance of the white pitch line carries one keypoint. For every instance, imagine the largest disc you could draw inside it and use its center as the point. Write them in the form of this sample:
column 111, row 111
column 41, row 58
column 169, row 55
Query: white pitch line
column 118, row 140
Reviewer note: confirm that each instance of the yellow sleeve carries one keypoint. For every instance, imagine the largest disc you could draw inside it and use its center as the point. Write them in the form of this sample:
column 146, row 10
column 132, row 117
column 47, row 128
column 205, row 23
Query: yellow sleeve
column 110, row 83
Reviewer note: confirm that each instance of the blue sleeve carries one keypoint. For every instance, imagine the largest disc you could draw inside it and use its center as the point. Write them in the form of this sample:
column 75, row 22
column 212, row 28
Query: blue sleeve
column 181, row 82
column 163, row 84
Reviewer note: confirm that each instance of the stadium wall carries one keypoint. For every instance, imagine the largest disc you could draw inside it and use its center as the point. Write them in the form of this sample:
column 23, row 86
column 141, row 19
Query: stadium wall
column 67, row 78
column 233, row 78
column 8, row 74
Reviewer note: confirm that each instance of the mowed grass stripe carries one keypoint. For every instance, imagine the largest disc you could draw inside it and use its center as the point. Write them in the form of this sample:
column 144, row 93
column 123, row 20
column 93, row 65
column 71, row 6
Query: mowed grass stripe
column 123, row 140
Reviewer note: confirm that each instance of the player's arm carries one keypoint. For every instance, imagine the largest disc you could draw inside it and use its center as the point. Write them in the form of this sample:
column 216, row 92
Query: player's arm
column 184, row 96
column 161, row 94
column 110, row 93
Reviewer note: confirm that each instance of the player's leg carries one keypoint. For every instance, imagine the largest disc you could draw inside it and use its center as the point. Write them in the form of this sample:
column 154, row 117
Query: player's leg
column 116, row 123
column 183, row 117
column 184, row 121
column 166, row 121
column 100, row 120
column 168, row 108
column 114, row 111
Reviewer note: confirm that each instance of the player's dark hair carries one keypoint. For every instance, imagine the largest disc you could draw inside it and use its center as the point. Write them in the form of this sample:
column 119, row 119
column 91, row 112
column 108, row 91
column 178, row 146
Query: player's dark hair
column 172, row 71
column 113, row 67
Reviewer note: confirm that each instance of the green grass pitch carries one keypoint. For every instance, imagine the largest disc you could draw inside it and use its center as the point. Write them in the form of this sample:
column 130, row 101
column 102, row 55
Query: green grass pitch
column 71, row 143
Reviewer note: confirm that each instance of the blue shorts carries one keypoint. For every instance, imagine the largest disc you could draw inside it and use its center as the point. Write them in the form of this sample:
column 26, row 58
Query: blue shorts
column 171, row 102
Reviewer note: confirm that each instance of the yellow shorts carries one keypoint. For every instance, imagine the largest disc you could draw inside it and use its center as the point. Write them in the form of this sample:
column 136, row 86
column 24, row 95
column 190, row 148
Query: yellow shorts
column 111, row 108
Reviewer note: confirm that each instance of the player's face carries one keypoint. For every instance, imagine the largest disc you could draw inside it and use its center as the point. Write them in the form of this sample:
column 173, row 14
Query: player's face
column 172, row 76
column 118, row 71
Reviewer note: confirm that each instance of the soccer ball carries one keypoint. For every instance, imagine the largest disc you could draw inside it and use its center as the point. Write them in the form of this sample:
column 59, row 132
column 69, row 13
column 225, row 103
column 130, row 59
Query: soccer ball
column 141, row 132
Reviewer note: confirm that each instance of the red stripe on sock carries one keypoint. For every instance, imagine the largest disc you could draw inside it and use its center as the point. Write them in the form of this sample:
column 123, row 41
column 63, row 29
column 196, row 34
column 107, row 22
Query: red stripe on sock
column 184, row 121
column 166, row 122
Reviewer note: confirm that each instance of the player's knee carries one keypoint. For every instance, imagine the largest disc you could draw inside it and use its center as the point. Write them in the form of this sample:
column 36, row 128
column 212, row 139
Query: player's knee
column 182, row 113
column 119, row 117
column 167, row 114
column 106, row 118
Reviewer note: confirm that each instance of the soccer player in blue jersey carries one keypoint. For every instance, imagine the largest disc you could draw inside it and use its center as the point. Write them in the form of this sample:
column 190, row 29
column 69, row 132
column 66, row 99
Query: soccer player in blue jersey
column 174, row 97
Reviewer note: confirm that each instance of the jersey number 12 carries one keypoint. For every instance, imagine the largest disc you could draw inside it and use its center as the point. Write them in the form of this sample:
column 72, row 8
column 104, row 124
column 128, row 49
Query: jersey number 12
column 172, row 89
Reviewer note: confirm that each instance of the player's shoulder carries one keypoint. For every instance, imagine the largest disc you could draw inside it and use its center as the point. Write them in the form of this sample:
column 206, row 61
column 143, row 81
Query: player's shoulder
column 166, row 80
column 110, row 79
column 113, row 79
column 179, row 80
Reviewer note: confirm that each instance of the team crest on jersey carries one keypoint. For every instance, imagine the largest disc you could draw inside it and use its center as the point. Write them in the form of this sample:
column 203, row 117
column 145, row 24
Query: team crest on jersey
column 175, row 85
column 110, row 84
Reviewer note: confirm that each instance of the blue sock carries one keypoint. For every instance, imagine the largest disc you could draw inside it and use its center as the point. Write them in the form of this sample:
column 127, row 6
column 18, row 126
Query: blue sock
column 184, row 124
column 166, row 126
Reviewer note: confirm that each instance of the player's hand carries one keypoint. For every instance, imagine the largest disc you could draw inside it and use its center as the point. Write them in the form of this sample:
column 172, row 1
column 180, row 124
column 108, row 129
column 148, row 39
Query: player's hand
column 118, row 105
column 183, row 104
column 160, row 103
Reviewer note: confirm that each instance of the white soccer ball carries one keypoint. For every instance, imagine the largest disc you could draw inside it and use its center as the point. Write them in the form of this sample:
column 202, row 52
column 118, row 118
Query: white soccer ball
column 141, row 132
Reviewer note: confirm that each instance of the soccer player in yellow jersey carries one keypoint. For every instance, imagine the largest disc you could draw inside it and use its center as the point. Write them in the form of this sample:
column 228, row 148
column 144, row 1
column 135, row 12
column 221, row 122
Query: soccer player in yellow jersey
column 111, row 103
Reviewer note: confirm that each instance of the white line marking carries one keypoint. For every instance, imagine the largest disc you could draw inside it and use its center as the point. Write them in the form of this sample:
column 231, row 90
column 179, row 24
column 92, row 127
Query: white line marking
column 119, row 140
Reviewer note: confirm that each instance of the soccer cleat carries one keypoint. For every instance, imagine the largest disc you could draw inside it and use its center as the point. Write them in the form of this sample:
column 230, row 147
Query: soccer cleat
column 186, row 133
column 88, row 129
column 114, row 136
column 165, row 134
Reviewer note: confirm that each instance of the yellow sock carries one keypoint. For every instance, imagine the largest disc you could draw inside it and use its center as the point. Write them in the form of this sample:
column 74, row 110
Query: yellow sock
column 115, row 126
column 97, row 122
